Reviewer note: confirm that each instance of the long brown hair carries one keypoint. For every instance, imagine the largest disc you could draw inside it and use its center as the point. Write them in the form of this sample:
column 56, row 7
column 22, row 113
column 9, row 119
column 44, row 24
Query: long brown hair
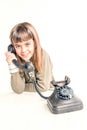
column 23, row 32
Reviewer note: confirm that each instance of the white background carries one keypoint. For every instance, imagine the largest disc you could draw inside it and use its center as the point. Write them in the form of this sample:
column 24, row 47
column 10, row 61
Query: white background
column 62, row 28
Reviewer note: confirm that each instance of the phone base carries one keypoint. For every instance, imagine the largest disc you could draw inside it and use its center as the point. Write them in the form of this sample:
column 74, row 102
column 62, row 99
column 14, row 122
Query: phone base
column 64, row 106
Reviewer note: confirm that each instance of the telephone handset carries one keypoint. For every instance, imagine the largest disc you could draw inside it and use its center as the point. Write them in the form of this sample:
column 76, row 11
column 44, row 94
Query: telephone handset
column 62, row 99
column 11, row 49
column 27, row 67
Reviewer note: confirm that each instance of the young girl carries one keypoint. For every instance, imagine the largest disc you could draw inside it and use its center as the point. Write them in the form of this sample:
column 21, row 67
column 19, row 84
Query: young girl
column 25, row 41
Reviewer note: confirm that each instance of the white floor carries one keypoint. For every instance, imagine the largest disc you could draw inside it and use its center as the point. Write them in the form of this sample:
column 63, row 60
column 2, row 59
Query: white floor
column 28, row 111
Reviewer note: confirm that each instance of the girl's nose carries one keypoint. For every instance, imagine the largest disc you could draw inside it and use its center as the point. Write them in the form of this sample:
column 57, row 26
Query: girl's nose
column 23, row 49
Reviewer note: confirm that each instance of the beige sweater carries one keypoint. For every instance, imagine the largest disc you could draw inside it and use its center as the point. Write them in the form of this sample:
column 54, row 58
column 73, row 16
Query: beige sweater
column 43, row 79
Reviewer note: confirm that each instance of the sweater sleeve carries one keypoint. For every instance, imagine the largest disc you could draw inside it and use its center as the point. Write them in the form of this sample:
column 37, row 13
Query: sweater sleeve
column 17, row 82
column 43, row 79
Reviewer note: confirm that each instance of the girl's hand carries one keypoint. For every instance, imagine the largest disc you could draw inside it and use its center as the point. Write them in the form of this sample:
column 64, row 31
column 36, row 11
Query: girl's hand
column 9, row 57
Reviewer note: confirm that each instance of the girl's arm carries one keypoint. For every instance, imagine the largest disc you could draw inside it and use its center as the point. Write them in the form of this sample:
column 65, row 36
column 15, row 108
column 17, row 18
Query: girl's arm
column 17, row 82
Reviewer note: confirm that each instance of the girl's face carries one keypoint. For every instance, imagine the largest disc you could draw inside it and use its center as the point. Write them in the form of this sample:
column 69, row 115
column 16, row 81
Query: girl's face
column 25, row 49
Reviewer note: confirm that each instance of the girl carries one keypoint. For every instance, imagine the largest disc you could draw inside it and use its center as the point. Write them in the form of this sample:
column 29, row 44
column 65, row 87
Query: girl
column 26, row 44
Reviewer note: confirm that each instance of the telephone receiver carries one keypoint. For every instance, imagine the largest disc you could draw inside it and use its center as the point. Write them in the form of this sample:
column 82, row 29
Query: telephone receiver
column 26, row 67
column 11, row 49
column 63, row 99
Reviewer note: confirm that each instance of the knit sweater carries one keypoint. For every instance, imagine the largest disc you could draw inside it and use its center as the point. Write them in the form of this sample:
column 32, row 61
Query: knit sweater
column 23, row 83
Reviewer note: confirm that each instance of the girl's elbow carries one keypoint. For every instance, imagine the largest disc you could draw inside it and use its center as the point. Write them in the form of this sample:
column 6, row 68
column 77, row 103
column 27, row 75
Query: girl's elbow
column 17, row 90
column 45, row 87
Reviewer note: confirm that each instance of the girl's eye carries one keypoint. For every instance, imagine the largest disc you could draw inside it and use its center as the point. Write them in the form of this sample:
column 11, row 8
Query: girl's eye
column 27, row 44
column 17, row 46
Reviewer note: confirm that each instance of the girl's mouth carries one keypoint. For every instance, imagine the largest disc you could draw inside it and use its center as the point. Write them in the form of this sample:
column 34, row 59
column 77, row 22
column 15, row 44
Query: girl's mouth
column 26, row 56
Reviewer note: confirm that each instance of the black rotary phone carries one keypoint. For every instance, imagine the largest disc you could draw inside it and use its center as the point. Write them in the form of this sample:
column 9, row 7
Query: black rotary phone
column 62, row 100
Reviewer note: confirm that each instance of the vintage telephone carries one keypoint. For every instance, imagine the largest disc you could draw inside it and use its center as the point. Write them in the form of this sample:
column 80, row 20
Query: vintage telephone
column 62, row 100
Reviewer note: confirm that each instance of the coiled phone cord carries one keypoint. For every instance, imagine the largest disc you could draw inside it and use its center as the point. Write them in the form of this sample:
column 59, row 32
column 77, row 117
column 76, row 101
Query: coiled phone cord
column 29, row 68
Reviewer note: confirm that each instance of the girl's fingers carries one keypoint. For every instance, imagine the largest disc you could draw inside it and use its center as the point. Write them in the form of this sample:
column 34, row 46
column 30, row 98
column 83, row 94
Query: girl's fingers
column 9, row 57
